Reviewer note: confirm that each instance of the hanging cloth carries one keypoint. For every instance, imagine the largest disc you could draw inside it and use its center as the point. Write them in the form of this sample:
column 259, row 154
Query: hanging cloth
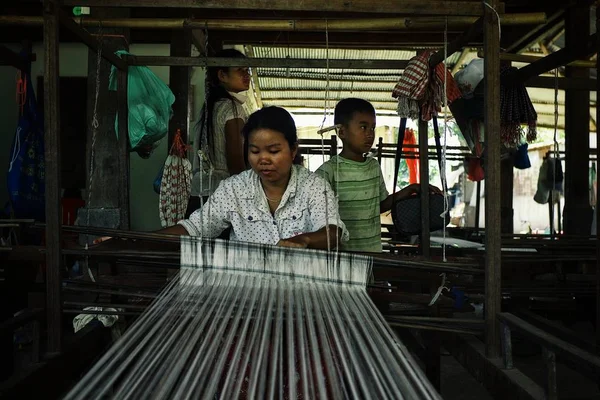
column 435, row 99
column 412, row 86
column 26, row 170
column 176, row 184
column 410, row 139
column 516, row 109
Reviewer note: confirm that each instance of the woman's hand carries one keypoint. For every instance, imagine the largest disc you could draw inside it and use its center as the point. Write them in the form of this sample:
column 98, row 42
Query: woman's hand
column 300, row 241
column 101, row 239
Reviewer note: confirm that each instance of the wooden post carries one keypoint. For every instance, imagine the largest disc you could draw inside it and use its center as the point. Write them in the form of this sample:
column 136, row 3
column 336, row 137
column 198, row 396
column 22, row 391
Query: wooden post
column 506, row 196
column 577, row 113
column 106, row 160
column 492, row 179
column 179, row 82
column 52, row 166
column 597, row 201
column 123, row 175
column 551, row 388
column 424, row 181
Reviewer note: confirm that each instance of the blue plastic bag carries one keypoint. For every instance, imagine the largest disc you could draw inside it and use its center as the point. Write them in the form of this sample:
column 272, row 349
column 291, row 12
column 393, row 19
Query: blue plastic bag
column 149, row 100
column 26, row 170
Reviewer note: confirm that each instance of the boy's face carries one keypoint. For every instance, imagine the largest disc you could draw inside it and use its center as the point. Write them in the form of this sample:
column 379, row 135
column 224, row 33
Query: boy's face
column 358, row 135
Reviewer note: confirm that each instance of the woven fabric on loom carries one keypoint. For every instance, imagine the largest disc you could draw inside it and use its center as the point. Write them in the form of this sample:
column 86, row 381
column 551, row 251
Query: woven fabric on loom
column 259, row 322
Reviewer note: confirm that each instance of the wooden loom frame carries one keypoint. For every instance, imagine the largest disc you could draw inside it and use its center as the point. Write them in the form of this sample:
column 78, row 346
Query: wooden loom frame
column 52, row 20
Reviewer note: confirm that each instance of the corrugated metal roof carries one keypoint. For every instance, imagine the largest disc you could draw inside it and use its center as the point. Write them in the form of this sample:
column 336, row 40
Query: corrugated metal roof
column 334, row 54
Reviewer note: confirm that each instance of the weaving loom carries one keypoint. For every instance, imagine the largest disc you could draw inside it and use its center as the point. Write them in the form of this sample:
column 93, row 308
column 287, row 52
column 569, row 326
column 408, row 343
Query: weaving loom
column 255, row 321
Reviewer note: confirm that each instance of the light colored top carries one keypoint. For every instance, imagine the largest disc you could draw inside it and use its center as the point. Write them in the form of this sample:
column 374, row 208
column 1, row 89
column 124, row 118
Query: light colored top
column 224, row 110
column 307, row 205
column 360, row 189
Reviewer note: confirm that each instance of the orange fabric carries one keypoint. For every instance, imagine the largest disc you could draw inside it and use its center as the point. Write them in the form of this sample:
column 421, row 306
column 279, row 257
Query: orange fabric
column 413, row 163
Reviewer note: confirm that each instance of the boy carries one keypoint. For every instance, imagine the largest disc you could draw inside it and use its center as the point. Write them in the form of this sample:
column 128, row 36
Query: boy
column 356, row 179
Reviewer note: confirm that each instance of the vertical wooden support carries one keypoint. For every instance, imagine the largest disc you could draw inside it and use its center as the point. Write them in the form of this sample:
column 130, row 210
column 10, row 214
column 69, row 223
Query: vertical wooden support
column 491, row 42
column 507, row 347
column 577, row 143
column 179, row 82
column 123, row 176
column 424, row 180
column 506, row 196
column 52, row 165
column 597, row 201
column 551, row 388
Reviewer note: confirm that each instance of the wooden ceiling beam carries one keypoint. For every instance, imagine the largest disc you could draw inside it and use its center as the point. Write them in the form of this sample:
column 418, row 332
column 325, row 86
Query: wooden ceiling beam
column 264, row 62
column 557, row 59
column 409, row 7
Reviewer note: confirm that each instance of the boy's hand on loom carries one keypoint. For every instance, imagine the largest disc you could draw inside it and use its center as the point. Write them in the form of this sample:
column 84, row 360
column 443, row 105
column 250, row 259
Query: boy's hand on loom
column 296, row 241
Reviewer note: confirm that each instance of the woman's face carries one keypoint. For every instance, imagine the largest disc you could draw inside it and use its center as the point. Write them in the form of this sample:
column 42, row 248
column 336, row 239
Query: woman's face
column 270, row 155
column 235, row 79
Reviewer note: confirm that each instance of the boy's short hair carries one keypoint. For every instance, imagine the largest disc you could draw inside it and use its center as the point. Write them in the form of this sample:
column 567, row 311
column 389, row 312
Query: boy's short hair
column 345, row 109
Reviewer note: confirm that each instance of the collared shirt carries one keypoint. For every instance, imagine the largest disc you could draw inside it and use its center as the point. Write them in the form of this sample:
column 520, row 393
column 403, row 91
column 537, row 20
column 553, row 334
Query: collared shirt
column 225, row 110
column 307, row 205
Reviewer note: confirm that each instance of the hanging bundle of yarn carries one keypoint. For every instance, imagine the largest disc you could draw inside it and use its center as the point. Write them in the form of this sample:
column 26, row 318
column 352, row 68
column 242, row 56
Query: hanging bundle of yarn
column 435, row 99
column 420, row 91
column 176, row 183
column 516, row 110
column 412, row 86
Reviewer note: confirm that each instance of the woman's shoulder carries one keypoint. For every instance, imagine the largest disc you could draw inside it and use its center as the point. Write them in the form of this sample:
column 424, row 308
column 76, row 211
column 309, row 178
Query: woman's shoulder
column 241, row 182
column 307, row 178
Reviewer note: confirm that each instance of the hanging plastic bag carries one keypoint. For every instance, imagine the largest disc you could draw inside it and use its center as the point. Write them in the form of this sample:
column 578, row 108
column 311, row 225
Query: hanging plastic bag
column 149, row 100
column 176, row 184
column 26, row 170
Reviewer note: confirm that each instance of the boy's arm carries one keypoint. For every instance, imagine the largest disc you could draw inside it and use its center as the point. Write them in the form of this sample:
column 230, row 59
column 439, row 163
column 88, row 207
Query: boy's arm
column 405, row 193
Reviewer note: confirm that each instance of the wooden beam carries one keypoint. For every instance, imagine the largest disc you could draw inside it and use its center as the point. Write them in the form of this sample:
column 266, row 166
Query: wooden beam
column 554, row 22
column 582, row 361
column 493, row 256
column 463, row 55
column 264, row 62
column 407, row 7
column 503, row 383
column 11, row 58
column 470, row 34
column 577, row 210
column 90, row 41
column 548, row 82
column 255, row 79
column 559, row 58
column 199, row 41
column 531, row 59
column 123, row 176
column 179, row 82
column 597, row 197
column 425, row 237
column 52, row 174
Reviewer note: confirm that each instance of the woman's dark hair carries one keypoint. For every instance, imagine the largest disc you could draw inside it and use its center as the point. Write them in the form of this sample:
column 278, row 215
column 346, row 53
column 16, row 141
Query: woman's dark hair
column 273, row 118
column 214, row 93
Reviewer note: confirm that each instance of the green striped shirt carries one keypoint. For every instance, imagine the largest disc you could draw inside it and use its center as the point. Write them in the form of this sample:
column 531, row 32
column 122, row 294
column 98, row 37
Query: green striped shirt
column 360, row 188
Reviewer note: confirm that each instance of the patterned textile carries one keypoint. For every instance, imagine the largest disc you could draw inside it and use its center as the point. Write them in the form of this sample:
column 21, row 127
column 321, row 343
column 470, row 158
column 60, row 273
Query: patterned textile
column 516, row 109
column 412, row 85
column 176, row 184
column 436, row 99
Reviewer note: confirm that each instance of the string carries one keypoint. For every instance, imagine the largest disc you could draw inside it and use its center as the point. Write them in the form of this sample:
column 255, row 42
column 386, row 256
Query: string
column 485, row 3
column 556, row 147
column 445, row 145
column 244, row 325
column 95, row 126
column 325, row 108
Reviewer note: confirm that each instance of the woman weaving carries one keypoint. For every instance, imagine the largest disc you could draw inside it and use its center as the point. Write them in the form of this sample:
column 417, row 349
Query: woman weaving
column 274, row 202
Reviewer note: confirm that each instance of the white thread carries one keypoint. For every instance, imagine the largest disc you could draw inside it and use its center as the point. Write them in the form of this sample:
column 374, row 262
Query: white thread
column 16, row 149
column 438, row 293
column 485, row 3
column 444, row 147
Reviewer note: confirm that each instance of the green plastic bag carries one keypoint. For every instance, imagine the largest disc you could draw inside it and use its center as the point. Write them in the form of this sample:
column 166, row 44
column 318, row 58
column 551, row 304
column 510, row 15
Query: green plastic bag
column 149, row 100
